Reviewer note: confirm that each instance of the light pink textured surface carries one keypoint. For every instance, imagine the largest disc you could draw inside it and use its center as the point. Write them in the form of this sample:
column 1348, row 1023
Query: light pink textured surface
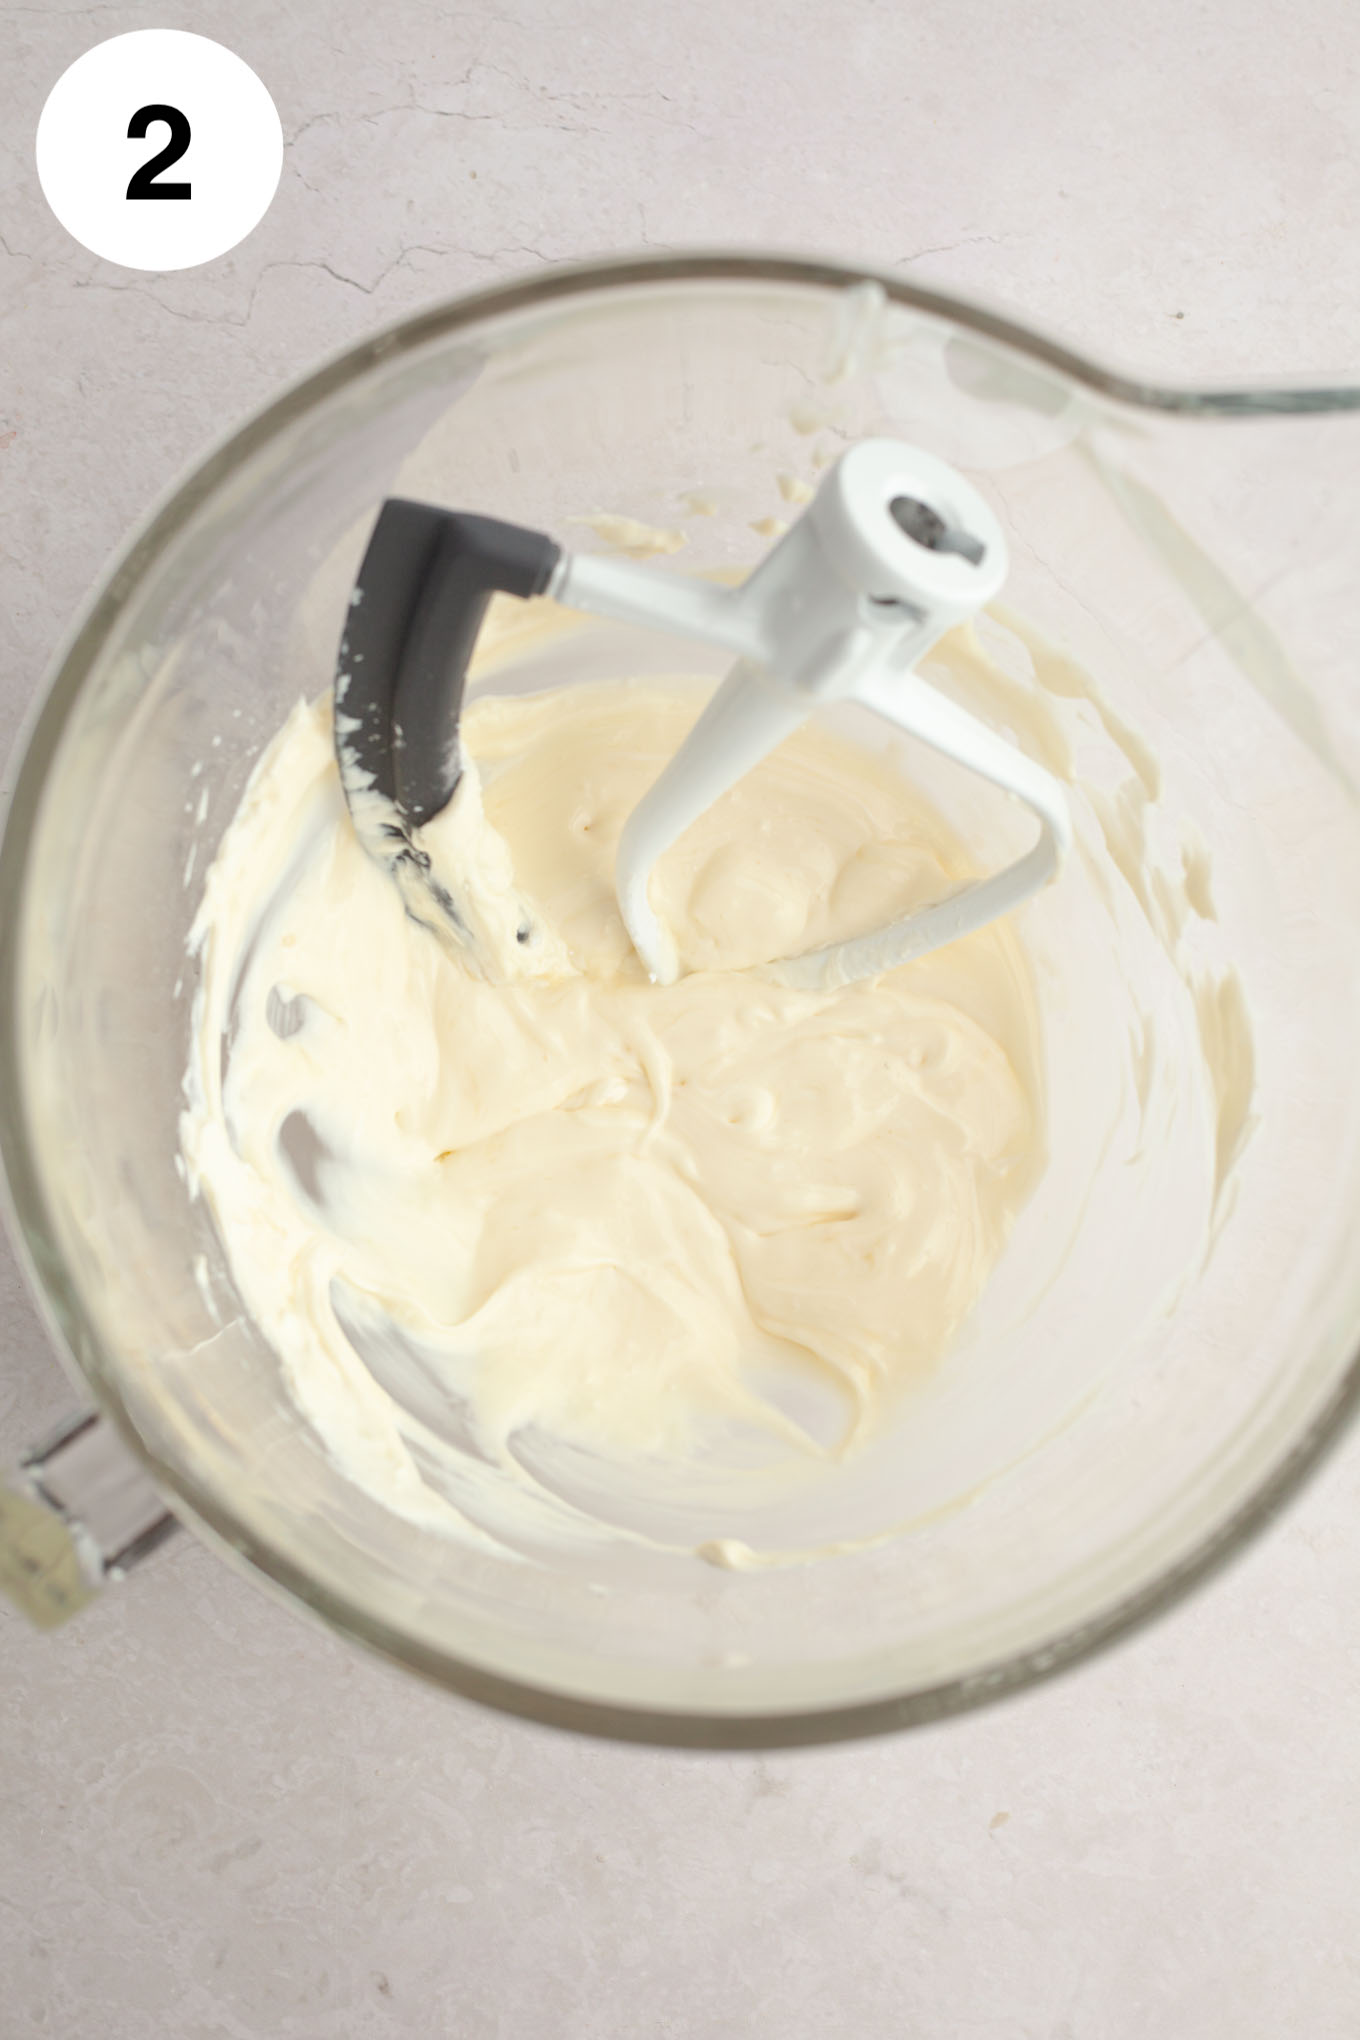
column 220, row 1824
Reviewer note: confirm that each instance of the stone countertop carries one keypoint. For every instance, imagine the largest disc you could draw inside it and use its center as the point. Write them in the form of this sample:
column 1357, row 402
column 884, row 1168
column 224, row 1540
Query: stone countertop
column 219, row 1822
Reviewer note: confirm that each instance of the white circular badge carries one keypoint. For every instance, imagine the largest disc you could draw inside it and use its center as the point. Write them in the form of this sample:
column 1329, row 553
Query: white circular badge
column 159, row 149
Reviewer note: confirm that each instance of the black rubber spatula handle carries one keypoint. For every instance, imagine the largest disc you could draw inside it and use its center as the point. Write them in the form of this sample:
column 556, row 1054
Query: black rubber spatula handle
column 417, row 606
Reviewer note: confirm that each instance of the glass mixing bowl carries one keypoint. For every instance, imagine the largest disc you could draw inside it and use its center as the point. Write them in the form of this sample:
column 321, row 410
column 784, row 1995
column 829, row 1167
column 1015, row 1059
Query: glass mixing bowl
column 1170, row 1338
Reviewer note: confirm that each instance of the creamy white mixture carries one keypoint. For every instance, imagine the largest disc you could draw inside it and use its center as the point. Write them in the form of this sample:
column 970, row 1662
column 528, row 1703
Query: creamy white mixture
column 508, row 1214
column 720, row 1217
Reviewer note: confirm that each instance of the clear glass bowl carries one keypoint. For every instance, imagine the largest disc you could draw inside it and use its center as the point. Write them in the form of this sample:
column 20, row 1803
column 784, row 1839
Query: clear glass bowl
column 1132, row 1401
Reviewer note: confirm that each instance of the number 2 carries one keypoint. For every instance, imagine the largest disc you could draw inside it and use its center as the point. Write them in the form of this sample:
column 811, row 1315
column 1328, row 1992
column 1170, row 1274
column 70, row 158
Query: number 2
column 143, row 182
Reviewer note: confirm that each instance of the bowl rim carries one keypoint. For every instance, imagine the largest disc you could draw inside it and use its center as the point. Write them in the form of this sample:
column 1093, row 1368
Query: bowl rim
column 72, row 1327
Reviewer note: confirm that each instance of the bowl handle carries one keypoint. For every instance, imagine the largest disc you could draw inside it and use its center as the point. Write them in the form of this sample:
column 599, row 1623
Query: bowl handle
column 81, row 1511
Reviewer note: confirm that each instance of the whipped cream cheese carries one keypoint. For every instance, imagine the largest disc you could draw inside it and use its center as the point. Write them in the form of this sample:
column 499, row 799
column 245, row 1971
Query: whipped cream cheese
column 721, row 1220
